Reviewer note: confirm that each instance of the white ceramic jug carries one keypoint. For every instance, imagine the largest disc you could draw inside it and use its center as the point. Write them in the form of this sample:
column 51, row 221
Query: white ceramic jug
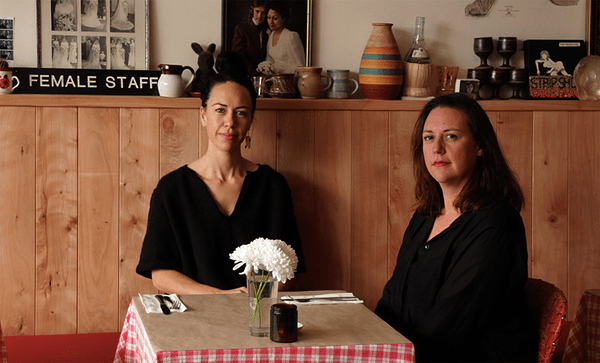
column 170, row 83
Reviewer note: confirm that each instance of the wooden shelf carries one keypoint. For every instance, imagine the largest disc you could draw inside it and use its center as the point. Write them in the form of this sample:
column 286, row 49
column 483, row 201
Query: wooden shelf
column 284, row 104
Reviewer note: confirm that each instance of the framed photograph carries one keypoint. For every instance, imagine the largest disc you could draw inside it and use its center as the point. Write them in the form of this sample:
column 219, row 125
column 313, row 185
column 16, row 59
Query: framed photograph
column 468, row 86
column 240, row 21
column 592, row 36
column 93, row 34
column 7, row 29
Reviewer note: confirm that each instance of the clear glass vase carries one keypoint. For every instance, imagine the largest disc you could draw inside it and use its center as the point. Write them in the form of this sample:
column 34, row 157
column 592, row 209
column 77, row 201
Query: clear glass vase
column 262, row 293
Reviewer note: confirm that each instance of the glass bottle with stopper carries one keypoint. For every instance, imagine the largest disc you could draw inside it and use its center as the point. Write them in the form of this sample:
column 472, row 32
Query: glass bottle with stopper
column 417, row 65
column 418, row 50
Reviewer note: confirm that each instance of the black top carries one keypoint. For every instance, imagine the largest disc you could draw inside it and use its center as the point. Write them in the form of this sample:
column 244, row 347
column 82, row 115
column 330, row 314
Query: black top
column 460, row 297
column 188, row 233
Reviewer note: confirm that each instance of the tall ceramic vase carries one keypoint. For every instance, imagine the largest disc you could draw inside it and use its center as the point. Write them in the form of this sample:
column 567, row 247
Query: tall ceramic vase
column 381, row 68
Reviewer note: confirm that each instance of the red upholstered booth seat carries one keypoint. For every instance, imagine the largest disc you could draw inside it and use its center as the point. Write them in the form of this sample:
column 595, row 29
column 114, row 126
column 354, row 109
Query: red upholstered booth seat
column 548, row 305
column 63, row 348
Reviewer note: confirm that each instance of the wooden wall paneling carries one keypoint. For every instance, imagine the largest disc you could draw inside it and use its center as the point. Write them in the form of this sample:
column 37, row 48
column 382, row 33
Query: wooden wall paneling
column 584, row 205
column 369, row 204
column 179, row 138
column 98, row 243
column 56, row 221
column 17, row 220
column 140, row 143
column 295, row 160
column 330, row 256
column 515, row 136
column 401, row 203
column 263, row 134
column 549, row 205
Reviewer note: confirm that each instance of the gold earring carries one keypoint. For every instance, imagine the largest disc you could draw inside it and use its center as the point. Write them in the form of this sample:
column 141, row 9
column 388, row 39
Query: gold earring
column 248, row 142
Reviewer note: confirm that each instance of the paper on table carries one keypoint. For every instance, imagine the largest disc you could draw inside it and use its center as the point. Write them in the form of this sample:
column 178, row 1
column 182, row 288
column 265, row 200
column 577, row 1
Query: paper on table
column 349, row 298
column 152, row 305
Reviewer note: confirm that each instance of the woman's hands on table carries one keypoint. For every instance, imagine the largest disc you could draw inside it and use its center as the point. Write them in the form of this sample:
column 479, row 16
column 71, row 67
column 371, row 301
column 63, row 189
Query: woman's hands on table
column 174, row 282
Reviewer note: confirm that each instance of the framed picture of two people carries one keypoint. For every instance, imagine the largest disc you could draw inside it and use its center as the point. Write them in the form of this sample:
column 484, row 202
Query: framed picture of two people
column 273, row 36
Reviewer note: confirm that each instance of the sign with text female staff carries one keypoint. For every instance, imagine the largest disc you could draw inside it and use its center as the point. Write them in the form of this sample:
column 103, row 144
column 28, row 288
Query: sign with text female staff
column 87, row 82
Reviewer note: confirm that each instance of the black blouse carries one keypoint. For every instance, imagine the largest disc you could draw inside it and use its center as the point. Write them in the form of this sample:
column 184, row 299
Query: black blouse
column 188, row 233
column 459, row 297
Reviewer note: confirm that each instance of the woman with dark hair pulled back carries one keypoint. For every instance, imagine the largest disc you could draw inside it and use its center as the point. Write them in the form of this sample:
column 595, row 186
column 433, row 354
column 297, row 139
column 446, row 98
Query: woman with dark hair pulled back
column 203, row 211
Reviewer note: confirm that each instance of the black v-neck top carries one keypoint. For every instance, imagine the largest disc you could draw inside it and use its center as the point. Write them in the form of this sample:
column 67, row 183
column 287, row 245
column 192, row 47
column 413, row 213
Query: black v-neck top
column 188, row 233
column 460, row 296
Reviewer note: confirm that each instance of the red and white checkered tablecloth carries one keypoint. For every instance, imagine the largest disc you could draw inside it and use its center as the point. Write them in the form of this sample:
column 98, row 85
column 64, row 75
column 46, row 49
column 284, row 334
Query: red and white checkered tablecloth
column 3, row 354
column 134, row 346
column 583, row 343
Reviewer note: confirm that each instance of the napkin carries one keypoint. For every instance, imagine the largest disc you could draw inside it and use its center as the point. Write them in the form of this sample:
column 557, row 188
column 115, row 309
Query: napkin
column 349, row 298
column 152, row 305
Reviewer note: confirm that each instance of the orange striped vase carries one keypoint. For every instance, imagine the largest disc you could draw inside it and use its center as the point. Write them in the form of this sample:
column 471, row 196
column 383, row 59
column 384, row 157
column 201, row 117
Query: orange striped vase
column 381, row 68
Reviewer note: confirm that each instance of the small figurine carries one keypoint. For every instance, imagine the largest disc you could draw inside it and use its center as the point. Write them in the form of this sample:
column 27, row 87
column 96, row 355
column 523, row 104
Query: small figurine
column 206, row 62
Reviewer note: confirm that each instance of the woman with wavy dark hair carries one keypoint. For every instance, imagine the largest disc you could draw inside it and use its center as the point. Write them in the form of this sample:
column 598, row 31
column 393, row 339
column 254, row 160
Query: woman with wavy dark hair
column 457, row 291
column 203, row 211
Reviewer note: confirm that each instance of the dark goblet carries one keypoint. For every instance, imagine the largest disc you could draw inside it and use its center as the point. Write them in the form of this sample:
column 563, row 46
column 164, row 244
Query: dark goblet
column 517, row 79
column 483, row 47
column 482, row 74
column 507, row 47
column 498, row 77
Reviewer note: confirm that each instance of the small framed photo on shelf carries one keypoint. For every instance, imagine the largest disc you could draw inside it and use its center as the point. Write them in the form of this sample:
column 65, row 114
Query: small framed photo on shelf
column 93, row 34
column 468, row 86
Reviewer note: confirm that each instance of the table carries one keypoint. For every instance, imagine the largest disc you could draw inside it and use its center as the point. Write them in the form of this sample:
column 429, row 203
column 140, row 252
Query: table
column 215, row 329
column 583, row 342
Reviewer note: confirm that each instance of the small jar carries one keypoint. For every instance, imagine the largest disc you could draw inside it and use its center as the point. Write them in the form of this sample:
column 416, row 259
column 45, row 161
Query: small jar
column 284, row 323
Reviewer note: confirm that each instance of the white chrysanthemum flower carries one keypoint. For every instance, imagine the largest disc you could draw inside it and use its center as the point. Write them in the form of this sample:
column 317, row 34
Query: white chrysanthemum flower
column 265, row 254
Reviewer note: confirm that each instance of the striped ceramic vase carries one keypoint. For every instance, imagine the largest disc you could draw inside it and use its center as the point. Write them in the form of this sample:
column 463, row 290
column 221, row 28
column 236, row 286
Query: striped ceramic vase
column 381, row 68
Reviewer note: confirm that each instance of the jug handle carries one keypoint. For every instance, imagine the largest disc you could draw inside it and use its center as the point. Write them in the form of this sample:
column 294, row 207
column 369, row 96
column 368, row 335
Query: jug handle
column 14, row 78
column 267, row 90
column 329, row 80
column 356, row 86
column 191, row 78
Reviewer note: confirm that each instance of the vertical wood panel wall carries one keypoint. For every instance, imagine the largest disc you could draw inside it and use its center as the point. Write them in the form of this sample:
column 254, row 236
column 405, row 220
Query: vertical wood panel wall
column 77, row 180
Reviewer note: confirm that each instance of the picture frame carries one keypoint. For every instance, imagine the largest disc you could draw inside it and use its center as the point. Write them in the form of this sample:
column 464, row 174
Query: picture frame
column 93, row 34
column 235, row 12
column 592, row 35
column 7, row 29
column 468, row 86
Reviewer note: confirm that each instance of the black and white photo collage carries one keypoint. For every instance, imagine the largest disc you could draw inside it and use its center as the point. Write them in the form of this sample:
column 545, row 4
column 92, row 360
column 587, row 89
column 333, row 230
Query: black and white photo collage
column 93, row 34
column 7, row 35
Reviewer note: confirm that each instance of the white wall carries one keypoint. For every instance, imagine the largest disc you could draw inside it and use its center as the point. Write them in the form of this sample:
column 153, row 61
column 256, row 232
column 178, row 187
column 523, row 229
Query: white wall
column 341, row 28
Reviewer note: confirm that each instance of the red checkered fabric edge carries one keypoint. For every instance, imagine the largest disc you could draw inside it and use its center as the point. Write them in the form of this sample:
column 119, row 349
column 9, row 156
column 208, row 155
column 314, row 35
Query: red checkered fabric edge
column 583, row 342
column 3, row 354
column 134, row 345
column 357, row 353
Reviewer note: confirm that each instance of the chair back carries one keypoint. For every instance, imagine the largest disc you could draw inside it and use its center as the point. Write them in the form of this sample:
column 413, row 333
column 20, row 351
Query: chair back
column 548, row 306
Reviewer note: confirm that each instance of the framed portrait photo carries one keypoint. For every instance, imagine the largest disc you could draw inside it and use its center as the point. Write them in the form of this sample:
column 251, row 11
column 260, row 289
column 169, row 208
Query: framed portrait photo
column 93, row 34
column 592, row 36
column 468, row 86
column 245, row 28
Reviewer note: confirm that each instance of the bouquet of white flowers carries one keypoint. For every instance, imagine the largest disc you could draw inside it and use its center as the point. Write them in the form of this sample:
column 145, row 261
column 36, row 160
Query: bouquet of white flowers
column 264, row 258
